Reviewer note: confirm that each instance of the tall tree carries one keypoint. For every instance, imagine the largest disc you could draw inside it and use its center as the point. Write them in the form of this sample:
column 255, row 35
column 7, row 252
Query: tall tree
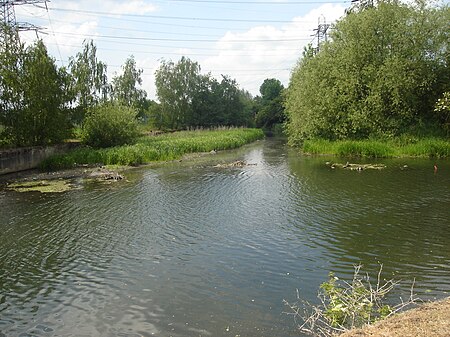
column 176, row 85
column 126, row 87
column 380, row 75
column 90, row 84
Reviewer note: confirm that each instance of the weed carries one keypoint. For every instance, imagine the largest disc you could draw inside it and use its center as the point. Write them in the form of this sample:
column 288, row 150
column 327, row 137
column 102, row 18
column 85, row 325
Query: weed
column 345, row 305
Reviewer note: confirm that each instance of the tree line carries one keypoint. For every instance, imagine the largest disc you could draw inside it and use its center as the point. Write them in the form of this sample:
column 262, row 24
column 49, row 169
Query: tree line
column 40, row 103
column 383, row 73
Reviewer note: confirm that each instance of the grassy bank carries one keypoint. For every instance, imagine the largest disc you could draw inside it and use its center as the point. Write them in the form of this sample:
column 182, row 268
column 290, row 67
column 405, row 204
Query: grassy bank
column 400, row 147
column 429, row 319
column 156, row 148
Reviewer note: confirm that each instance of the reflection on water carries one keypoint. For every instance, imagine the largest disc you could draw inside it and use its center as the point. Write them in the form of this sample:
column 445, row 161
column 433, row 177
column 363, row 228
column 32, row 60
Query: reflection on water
column 189, row 249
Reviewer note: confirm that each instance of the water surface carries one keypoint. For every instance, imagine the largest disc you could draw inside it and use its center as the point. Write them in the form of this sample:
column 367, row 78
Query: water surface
column 189, row 249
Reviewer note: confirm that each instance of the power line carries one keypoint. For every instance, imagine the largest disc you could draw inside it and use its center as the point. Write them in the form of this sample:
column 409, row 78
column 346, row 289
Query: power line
column 167, row 17
column 230, row 52
column 53, row 32
column 261, row 2
column 180, row 40
column 150, row 31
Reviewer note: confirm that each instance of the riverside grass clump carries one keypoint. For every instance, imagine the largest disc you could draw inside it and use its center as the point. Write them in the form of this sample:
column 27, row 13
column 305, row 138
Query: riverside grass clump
column 148, row 149
column 400, row 147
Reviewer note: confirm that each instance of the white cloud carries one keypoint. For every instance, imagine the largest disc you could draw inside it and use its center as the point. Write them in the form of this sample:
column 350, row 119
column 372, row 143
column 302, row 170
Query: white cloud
column 274, row 56
column 128, row 7
column 109, row 6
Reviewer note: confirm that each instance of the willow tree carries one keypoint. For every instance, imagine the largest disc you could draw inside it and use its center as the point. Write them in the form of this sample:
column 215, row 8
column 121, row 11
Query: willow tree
column 380, row 75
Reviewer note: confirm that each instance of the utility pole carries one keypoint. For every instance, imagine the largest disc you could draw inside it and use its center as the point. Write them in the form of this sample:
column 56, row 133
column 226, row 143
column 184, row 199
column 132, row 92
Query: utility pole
column 9, row 27
column 321, row 32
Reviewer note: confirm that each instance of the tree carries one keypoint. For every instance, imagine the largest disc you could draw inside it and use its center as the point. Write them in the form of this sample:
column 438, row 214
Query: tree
column 380, row 75
column 190, row 99
column 271, row 89
column 271, row 109
column 34, row 97
column 90, row 84
column 230, row 103
column 11, row 68
column 206, row 107
column 176, row 85
column 125, row 87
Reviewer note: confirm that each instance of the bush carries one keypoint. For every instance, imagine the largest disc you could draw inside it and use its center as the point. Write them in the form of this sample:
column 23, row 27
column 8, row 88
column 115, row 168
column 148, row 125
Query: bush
column 347, row 305
column 110, row 124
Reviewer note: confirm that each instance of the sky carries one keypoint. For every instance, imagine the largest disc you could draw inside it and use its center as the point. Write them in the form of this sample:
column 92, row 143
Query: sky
column 249, row 41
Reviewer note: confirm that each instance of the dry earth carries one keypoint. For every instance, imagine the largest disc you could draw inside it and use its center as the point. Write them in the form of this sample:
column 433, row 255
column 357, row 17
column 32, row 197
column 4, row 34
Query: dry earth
column 428, row 320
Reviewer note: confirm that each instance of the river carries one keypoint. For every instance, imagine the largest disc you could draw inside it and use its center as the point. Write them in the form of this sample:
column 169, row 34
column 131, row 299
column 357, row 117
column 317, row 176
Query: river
column 189, row 249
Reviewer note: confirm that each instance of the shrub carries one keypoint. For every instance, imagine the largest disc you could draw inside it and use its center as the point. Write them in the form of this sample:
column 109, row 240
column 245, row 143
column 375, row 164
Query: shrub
column 110, row 124
column 347, row 305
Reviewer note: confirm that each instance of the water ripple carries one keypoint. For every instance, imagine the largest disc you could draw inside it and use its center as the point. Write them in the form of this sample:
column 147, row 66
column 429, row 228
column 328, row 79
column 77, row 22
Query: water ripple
column 192, row 249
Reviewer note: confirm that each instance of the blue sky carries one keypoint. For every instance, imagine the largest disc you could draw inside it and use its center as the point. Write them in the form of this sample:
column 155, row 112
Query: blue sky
column 247, row 40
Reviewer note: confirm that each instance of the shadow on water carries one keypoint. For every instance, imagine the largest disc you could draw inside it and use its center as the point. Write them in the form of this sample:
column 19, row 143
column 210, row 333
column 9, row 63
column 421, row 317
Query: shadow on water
column 192, row 249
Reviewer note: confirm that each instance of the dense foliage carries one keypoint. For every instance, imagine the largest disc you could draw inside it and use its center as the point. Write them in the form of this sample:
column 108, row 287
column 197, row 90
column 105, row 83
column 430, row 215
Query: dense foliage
column 379, row 76
column 110, row 124
column 33, row 96
column 191, row 99
column 41, row 104
column 270, row 105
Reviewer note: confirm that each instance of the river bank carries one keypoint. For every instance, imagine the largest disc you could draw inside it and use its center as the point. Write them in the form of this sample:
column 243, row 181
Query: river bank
column 393, row 148
column 429, row 319
column 148, row 149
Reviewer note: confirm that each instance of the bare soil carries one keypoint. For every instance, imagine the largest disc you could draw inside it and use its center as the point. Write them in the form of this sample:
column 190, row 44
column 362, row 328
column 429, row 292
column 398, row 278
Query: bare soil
column 428, row 320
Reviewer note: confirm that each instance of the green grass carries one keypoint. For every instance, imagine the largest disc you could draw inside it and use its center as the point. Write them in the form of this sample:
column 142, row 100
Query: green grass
column 148, row 149
column 399, row 147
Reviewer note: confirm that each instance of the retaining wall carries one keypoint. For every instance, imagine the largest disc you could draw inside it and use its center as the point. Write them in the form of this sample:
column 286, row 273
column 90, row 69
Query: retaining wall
column 25, row 158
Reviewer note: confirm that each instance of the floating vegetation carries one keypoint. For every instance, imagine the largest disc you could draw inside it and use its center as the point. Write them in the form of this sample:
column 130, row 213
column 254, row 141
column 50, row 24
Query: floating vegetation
column 357, row 167
column 238, row 163
column 42, row 186
column 105, row 174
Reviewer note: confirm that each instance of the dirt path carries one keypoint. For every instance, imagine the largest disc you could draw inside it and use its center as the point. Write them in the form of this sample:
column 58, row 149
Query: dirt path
column 428, row 320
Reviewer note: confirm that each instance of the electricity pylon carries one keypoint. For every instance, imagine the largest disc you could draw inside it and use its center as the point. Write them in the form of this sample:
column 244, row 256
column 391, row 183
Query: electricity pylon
column 321, row 32
column 9, row 27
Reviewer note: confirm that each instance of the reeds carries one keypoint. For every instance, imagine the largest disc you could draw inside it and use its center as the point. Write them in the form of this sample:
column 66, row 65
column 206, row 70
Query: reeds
column 400, row 147
column 148, row 149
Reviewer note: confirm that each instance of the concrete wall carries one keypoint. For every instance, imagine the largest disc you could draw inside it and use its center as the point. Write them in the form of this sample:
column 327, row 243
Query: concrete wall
column 25, row 158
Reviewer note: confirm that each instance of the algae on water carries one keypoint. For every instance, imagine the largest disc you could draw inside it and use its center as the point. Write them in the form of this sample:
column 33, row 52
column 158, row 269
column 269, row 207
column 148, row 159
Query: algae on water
column 43, row 186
